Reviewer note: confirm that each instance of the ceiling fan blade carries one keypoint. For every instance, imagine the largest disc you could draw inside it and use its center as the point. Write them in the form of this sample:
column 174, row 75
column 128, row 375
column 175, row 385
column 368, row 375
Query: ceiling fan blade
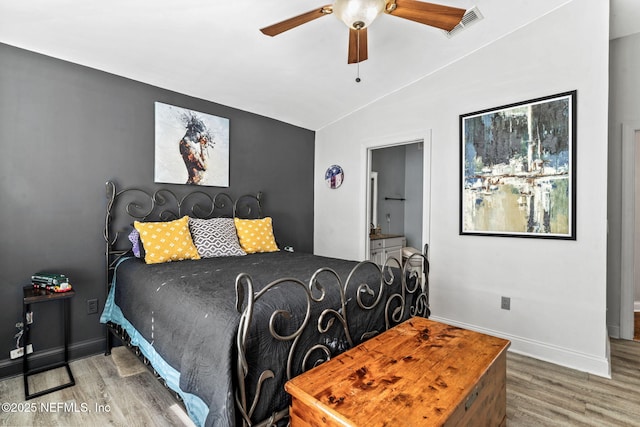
column 287, row 24
column 357, row 45
column 435, row 15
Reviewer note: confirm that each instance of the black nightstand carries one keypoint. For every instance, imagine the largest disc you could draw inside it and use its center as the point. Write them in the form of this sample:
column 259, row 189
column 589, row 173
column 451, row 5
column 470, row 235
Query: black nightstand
column 33, row 295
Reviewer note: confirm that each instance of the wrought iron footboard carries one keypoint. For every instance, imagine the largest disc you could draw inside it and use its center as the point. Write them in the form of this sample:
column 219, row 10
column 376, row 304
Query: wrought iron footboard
column 411, row 299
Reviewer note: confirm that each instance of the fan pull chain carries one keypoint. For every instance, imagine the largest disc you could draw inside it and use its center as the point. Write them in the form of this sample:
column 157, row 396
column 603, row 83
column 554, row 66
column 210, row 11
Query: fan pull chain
column 358, row 56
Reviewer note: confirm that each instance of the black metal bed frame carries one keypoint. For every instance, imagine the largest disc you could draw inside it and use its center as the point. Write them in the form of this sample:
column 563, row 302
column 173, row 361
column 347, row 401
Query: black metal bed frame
column 124, row 206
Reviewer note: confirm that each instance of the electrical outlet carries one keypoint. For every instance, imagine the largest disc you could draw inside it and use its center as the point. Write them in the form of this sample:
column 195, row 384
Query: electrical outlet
column 92, row 306
column 505, row 303
column 19, row 352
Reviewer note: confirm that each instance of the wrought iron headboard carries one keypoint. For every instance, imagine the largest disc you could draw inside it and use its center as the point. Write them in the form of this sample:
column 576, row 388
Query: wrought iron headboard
column 135, row 204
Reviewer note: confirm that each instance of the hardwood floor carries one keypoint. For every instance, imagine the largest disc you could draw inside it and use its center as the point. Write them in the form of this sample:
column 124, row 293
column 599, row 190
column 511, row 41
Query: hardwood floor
column 636, row 325
column 538, row 394
column 100, row 397
column 543, row 394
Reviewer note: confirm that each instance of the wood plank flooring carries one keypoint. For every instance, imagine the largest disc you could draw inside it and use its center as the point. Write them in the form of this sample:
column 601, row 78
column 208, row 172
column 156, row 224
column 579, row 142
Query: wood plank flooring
column 538, row 394
column 100, row 397
column 544, row 394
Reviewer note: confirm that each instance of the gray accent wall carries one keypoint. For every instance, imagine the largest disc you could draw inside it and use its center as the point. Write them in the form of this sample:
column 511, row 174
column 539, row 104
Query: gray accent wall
column 65, row 130
column 390, row 164
column 414, row 178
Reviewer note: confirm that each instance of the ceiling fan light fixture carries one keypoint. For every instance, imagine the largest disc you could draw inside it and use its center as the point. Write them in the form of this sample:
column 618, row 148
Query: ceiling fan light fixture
column 358, row 14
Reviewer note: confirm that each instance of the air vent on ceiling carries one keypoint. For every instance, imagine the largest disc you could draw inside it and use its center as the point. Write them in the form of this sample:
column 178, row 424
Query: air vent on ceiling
column 471, row 16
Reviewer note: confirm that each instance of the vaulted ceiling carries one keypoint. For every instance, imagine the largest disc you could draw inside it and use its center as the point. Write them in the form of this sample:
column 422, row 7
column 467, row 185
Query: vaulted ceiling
column 214, row 50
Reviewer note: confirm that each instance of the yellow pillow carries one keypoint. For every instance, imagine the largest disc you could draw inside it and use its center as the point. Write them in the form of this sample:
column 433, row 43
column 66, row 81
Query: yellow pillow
column 166, row 241
column 256, row 235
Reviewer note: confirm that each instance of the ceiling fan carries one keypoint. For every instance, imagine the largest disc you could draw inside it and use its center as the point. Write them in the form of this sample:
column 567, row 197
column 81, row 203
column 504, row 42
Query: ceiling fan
column 358, row 15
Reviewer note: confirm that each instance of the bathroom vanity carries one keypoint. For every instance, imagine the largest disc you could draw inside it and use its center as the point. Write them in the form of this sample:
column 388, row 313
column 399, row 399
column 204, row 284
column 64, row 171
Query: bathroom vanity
column 382, row 246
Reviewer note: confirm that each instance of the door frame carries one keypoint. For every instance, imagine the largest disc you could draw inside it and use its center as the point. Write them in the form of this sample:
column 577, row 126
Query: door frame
column 628, row 228
column 394, row 141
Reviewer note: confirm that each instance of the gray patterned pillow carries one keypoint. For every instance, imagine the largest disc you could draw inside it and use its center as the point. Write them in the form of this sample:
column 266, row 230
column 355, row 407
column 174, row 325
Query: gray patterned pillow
column 215, row 237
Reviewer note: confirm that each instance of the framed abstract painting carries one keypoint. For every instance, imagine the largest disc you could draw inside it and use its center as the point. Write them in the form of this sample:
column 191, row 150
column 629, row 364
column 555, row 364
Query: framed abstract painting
column 191, row 147
column 518, row 169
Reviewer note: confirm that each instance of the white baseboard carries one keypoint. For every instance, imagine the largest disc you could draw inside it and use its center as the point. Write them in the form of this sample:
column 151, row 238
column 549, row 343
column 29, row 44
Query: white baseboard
column 543, row 351
column 636, row 306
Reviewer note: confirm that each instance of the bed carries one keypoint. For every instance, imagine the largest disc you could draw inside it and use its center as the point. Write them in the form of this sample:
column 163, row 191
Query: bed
column 224, row 333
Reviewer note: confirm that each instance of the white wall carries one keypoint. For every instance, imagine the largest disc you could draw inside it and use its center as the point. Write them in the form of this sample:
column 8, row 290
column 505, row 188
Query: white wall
column 558, row 311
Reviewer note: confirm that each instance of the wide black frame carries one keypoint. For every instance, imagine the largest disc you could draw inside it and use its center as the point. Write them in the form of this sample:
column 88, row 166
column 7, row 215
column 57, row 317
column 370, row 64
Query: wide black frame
column 518, row 169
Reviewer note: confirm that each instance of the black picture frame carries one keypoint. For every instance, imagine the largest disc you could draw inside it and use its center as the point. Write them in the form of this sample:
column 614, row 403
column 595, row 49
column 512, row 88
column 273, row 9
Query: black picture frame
column 518, row 169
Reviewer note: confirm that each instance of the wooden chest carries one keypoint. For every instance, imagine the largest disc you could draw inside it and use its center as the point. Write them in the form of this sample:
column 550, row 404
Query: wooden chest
column 419, row 373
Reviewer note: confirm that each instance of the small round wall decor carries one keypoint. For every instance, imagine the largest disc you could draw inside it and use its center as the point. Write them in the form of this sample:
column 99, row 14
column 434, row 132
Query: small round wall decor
column 334, row 176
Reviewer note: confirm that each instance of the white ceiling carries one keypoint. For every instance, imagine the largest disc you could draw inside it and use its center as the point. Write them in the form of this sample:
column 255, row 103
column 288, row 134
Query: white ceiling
column 214, row 50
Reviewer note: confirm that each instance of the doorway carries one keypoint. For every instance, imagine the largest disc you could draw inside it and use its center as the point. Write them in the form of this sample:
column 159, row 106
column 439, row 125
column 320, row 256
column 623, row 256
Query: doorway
column 395, row 205
column 630, row 242
column 636, row 241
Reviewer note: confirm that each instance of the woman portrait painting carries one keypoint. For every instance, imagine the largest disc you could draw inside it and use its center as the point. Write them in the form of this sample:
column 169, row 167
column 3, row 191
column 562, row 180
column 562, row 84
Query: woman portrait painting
column 191, row 147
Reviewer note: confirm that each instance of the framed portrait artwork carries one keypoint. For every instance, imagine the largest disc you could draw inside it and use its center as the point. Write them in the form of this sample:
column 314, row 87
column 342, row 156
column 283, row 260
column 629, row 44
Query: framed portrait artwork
column 518, row 169
column 190, row 147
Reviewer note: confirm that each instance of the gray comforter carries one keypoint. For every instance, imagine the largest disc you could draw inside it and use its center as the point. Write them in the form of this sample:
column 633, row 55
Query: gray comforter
column 187, row 311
